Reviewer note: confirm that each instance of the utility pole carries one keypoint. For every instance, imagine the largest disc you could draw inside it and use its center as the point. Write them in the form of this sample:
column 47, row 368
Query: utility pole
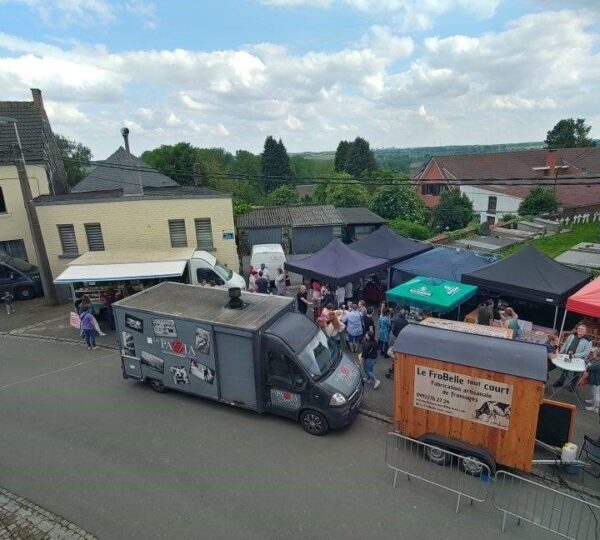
column 32, row 218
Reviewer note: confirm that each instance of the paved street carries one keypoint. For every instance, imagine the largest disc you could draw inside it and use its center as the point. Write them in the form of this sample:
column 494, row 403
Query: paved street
column 121, row 461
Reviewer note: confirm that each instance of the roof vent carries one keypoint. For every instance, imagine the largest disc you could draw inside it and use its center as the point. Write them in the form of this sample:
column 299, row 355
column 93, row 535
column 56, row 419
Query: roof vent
column 235, row 300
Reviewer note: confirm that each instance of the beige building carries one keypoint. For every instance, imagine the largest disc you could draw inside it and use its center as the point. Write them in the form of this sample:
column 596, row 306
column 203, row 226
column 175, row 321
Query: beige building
column 44, row 168
column 160, row 219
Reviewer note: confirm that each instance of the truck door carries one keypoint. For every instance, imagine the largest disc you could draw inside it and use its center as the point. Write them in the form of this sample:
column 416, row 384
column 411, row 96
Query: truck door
column 285, row 385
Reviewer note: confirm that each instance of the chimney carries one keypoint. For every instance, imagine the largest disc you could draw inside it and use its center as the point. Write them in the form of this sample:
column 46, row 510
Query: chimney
column 125, row 133
column 37, row 98
column 551, row 162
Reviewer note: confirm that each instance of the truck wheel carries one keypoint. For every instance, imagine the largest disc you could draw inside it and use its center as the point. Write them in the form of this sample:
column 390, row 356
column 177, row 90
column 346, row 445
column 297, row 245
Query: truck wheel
column 25, row 293
column 436, row 455
column 158, row 386
column 314, row 422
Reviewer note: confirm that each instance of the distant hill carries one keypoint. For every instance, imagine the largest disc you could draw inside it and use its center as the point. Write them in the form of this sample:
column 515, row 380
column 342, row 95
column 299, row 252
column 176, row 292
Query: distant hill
column 412, row 159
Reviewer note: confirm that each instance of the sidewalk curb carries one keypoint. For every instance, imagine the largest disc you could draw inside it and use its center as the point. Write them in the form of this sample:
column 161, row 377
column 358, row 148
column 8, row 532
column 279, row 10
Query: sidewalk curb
column 376, row 416
column 18, row 334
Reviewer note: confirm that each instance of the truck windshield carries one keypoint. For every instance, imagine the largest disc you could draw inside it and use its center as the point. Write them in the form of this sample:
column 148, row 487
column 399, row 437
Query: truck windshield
column 317, row 357
column 222, row 271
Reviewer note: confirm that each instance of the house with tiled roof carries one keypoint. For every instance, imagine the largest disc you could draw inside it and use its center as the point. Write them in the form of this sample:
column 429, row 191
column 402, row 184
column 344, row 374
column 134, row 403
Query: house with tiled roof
column 124, row 204
column 510, row 176
column 45, row 169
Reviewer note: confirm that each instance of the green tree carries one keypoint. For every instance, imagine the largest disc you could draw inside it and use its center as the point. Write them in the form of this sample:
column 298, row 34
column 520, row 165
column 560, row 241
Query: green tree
column 539, row 201
column 175, row 161
column 454, row 211
column 341, row 156
column 76, row 158
column 410, row 229
column 346, row 193
column 399, row 201
column 284, row 195
column 360, row 158
column 569, row 133
column 275, row 163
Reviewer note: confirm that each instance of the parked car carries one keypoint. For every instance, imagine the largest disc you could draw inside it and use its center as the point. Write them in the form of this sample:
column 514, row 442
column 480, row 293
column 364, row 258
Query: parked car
column 18, row 277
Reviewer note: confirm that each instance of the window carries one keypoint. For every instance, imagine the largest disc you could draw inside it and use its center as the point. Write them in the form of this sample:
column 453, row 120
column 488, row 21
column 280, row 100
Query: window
column 492, row 202
column 68, row 240
column 204, row 233
column 431, row 189
column 282, row 372
column 15, row 248
column 2, row 202
column 177, row 233
column 206, row 274
column 93, row 231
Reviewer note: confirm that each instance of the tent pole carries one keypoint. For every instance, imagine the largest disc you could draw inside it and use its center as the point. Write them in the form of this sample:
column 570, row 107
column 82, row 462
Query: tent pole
column 562, row 326
column 389, row 278
column 555, row 317
column 458, row 316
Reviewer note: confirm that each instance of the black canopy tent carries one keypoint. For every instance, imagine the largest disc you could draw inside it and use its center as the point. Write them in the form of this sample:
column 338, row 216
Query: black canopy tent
column 337, row 264
column 530, row 275
column 386, row 244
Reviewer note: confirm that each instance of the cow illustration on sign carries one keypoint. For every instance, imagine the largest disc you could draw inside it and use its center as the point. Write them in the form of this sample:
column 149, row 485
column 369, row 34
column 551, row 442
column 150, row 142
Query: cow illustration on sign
column 493, row 412
column 202, row 341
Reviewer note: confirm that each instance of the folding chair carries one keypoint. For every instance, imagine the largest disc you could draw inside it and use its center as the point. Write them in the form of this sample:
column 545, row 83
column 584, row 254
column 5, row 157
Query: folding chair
column 591, row 449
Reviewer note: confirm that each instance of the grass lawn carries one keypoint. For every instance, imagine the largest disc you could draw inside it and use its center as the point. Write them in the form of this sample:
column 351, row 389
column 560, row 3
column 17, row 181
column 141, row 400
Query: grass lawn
column 558, row 243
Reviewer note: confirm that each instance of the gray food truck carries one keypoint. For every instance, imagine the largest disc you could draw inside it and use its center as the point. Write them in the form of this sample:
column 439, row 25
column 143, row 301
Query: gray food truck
column 248, row 350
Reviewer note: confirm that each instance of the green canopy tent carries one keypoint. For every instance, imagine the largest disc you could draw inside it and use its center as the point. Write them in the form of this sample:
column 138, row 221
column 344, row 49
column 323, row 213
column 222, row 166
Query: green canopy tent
column 431, row 294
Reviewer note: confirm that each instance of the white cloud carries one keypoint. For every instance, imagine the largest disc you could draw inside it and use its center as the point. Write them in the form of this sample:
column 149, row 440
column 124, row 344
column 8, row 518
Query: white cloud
column 62, row 113
column 513, row 102
column 64, row 13
column 293, row 123
column 145, row 10
column 407, row 14
column 173, row 120
column 498, row 86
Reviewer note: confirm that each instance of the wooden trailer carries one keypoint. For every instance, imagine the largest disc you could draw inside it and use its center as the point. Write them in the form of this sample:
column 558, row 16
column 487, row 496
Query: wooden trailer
column 472, row 394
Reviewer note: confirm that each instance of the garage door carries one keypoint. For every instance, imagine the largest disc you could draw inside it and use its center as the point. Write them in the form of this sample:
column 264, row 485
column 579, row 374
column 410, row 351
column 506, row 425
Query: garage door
column 310, row 239
column 271, row 235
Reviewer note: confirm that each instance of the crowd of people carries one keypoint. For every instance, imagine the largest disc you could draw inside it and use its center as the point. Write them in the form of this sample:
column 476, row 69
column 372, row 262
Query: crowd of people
column 491, row 313
column 352, row 324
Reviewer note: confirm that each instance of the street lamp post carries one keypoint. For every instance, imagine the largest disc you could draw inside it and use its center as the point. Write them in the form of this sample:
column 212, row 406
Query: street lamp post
column 32, row 219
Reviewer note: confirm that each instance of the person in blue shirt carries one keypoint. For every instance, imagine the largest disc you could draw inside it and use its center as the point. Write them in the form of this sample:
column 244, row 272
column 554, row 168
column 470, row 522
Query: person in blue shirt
column 384, row 330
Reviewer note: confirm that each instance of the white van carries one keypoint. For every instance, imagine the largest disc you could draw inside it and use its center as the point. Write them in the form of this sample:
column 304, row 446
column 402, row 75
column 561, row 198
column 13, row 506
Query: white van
column 271, row 255
column 205, row 266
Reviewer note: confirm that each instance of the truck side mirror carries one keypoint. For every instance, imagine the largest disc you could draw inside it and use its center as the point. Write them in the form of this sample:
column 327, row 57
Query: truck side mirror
column 299, row 382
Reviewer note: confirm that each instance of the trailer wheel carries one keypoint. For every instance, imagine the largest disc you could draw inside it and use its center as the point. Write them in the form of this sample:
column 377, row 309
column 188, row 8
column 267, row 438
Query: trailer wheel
column 472, row 465
column 314, row 422
column 158, row 386
column 436, row 455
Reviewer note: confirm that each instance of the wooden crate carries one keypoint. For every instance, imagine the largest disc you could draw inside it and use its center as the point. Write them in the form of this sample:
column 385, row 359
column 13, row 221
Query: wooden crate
column 511, row 445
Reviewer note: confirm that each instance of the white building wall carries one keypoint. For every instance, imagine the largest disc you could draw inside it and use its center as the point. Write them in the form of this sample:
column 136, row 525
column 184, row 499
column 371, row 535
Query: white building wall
column 506, row 204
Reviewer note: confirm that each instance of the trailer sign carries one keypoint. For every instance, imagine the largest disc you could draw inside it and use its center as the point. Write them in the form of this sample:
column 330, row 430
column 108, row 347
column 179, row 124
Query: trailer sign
column 471, row 398
column 177, row 347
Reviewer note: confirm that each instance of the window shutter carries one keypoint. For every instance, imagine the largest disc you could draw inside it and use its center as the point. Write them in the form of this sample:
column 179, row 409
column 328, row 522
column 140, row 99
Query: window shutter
column 68, row 239
column 177, row 233
column 93, row 232
column 204, row 233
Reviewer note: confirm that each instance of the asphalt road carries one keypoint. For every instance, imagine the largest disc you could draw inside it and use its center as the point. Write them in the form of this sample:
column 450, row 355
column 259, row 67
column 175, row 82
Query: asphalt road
column 124, row 462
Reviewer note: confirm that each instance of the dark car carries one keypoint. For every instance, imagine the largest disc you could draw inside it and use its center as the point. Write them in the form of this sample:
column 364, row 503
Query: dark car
column 18, row 277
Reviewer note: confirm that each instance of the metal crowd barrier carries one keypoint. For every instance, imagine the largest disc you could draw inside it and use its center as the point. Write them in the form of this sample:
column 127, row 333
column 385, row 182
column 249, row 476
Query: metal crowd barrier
column 542, row 506
column 545, row 507
column 436, row 466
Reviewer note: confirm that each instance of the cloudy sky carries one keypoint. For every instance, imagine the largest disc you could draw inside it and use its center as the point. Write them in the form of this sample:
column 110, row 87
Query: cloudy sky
column 229, row 72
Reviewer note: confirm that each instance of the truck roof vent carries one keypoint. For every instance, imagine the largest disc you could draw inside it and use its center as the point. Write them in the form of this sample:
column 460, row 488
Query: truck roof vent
column 235, row 300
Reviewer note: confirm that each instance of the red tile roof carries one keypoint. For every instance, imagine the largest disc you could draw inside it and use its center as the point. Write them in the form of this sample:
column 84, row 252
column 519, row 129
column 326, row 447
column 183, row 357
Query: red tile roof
column 528, row 164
